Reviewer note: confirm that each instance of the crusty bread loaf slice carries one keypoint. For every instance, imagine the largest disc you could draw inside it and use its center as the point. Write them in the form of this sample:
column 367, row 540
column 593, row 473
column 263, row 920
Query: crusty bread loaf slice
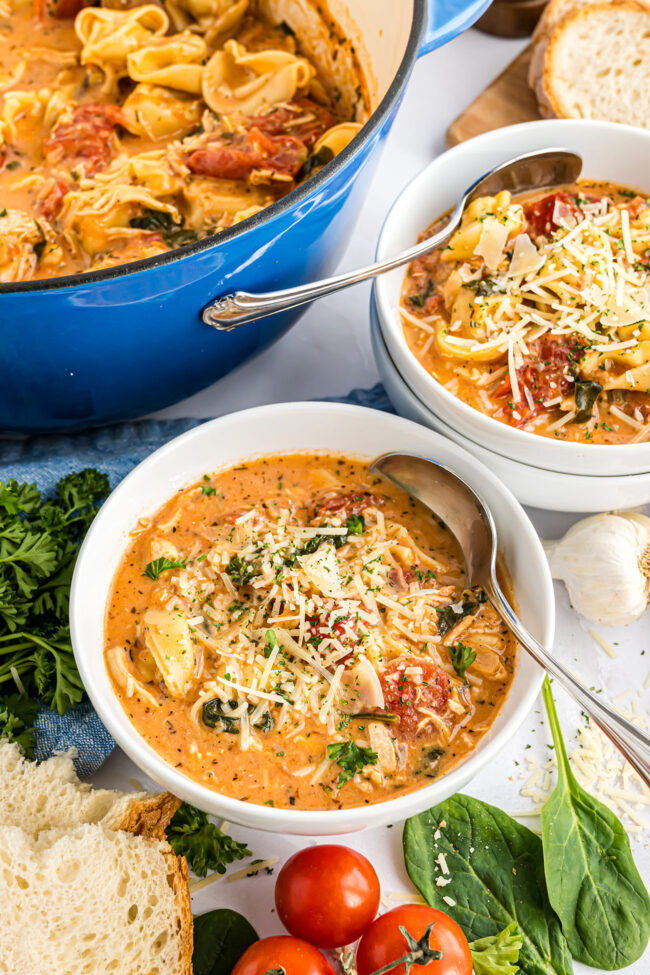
column 597, row 64
column 49, row 795
column 554, row 12
column 92, row 901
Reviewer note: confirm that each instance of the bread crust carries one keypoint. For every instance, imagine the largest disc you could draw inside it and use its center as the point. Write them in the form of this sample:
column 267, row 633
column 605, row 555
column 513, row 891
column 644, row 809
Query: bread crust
column 179, row 881
column 144, row 816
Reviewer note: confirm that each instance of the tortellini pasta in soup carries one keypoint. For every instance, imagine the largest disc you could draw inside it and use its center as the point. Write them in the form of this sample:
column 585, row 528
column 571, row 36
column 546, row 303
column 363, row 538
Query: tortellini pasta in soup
column 131, row 129
column 176, row 62
column 236, row 80
column 214, row 18
column 109, row 36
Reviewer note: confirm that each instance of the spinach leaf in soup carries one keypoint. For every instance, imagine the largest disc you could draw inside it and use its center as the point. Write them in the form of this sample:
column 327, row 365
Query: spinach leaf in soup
column 220, row 939
column 586, row 393
column 496, row 872
column 593, row 884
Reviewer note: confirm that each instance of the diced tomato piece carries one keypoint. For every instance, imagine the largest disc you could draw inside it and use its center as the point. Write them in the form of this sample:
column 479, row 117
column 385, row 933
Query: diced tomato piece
column 244, row 152
column 87, row 138
column 51, row 204
column 540, row 214
column 636, row 207
column 223, row 162
column 345, row 505
column 278, row 121
column 403, row 695
column 546, row 373
column 342, row 626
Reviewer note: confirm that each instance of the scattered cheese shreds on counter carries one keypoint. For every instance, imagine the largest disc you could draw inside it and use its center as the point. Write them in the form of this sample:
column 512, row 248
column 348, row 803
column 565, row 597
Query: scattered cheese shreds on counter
column 603, row 644
column 600, row 768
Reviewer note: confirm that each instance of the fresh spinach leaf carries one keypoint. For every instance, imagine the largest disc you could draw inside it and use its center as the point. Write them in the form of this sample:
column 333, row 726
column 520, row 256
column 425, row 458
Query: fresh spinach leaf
column 174, row 234
column 220, row 939
column 497, row 878
column 462, row 657
column 315, row 161
column 586, row 393
column 240, row 571
column 593, row 884
column 497, row 954
column 449, row 615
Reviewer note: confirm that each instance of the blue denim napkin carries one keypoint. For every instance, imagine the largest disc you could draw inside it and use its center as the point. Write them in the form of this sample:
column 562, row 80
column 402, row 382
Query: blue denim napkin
column 114, row 450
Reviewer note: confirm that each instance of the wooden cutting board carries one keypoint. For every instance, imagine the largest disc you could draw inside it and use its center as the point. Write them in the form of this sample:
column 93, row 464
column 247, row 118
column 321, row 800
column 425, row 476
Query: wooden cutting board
column 506, row 101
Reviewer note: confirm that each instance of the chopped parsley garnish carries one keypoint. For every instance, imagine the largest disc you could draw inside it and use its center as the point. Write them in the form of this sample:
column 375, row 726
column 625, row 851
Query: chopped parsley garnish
column 271, row 643
column 154, row 569
column 462, row 657
column 351, row 759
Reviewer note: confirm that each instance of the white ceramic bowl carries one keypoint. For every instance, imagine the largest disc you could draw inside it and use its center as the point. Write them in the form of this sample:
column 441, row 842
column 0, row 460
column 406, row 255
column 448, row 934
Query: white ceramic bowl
column 293, row 427
column 532, row 486
column 618, row 153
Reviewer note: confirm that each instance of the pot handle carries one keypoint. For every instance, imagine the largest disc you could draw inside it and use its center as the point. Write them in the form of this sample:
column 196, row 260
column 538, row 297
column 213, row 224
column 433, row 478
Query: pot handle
column 447, row 18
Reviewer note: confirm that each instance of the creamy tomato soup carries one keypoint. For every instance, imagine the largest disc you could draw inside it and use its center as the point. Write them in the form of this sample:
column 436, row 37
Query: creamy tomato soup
column 297, row 632
column 129, row 129
column 537, row 312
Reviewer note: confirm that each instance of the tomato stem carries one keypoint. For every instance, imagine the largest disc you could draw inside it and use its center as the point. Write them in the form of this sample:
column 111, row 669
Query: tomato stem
column 278, row 970
column 420, row 953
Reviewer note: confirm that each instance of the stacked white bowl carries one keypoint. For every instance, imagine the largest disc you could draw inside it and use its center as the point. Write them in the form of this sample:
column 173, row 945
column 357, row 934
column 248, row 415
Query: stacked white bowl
column 542, row 472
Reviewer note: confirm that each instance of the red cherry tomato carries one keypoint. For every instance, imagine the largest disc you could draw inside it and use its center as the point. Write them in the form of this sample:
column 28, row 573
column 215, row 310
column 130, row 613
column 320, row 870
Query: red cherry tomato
column 282, row 954
column 384, row 943
column 327, row 895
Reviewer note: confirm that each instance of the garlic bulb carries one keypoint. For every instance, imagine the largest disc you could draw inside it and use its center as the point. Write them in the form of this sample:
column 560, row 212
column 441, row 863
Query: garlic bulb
column 604, row 561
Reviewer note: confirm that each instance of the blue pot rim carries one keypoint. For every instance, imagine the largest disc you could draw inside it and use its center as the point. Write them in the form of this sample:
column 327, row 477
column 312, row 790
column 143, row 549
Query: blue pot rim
column 292, row 199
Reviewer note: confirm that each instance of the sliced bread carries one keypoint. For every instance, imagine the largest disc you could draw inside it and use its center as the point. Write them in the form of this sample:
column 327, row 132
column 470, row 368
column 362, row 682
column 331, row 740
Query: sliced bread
column 49, row 795
column 596, row 64
column 92, row 901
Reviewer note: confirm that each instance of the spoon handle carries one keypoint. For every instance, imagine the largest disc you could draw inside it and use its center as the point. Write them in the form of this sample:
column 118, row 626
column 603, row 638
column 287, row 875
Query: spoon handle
column 228, row 313
column 631, row 741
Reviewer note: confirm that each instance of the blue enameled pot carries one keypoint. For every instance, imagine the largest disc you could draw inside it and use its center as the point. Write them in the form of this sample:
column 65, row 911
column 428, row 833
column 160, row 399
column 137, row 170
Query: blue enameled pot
column 93, row 348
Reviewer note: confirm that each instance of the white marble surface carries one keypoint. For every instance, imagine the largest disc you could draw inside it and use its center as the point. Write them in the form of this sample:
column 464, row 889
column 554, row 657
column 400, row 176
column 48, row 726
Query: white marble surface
column 328, row 354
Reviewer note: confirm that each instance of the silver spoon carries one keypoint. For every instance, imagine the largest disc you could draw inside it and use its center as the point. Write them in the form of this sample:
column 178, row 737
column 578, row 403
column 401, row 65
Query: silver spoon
column 469, row 519
column 532, row 171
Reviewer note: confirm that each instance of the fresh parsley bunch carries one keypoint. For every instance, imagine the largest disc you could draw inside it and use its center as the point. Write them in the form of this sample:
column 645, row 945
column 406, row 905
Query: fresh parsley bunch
column 204, row 846
column 39, row 541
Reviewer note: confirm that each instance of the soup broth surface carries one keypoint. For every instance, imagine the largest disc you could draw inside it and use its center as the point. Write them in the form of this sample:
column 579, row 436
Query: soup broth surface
column 297, row 632
column 536, row 312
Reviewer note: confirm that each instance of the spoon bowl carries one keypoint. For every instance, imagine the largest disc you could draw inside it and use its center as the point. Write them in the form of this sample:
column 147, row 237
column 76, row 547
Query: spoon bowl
column 530, row 171
column 470, row 521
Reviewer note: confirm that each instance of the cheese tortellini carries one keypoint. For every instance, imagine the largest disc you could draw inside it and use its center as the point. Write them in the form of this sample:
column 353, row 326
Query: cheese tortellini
column 487, row 224
column 236, row 80
column 221, row 202
column 156, row 112
column 175, row 62
column 109, row 36
column 338, row 137
column 43, row 106
column 213, row 18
